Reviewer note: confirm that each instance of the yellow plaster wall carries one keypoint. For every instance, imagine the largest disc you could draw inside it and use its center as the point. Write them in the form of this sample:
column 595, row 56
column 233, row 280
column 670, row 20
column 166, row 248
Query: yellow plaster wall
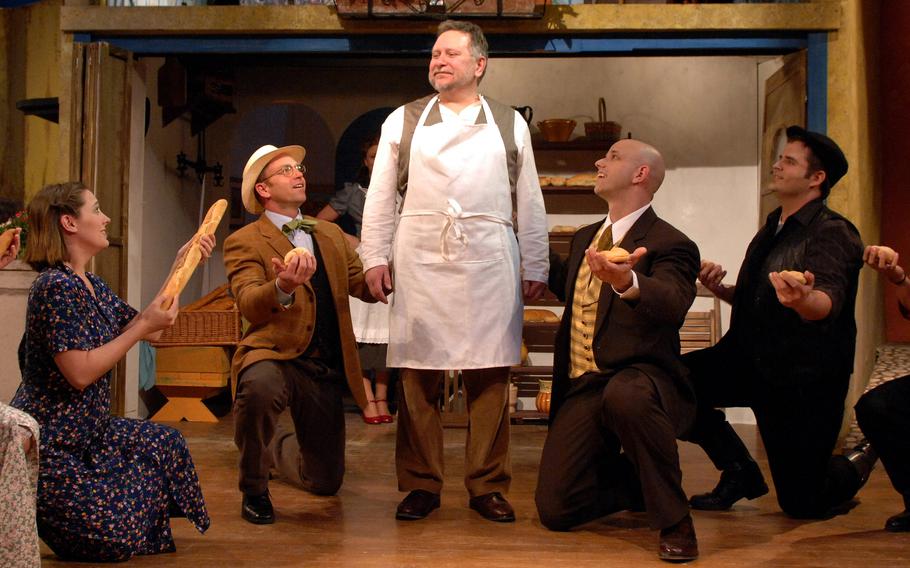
column 852, row 122
column 42, row 79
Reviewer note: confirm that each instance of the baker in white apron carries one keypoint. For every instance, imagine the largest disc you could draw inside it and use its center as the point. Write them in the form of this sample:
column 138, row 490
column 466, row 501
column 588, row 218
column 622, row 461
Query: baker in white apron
column 455, row 270
column 455, row 258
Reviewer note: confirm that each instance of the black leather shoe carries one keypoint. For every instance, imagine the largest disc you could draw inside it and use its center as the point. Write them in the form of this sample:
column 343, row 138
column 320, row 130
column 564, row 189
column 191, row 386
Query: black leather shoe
column 743, row 480
column 678, row 543
column 863, row 458
column 899, row 522
column 493, row 507
column 417, row 505
column 257, row 509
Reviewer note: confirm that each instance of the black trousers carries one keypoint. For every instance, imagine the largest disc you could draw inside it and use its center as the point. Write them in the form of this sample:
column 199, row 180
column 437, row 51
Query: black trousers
column 883, row 415
column 584, row 475
column 313, row 458
column 798, row 424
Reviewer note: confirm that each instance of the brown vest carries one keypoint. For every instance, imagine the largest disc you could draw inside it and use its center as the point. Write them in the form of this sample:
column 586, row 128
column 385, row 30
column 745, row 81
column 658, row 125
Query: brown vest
column 503, row 115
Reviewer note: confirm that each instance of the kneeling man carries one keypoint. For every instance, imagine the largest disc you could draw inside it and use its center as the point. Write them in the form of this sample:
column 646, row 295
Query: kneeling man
column 620, row 393
column 299, row 349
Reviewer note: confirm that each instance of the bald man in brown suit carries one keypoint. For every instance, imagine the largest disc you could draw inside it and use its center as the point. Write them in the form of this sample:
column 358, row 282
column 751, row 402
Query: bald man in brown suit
column 620, row 391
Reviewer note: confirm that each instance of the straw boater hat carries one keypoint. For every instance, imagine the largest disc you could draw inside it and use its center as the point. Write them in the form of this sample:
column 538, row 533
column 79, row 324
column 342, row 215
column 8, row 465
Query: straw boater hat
column 254, row 166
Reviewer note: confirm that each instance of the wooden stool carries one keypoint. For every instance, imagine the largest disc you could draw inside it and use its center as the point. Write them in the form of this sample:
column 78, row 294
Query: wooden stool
column 186, row 376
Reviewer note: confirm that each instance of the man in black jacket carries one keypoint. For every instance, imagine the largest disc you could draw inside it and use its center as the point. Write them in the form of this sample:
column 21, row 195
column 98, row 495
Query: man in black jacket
column 789, row 351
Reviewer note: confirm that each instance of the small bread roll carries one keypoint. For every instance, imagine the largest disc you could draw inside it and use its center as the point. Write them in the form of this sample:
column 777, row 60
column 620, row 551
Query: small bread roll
column 544, row 180
column 562, row 229
column 294, row 252
column 616, row 255
column 558, row 181
column 537, row 315
column 796, row 274
column 6, row 239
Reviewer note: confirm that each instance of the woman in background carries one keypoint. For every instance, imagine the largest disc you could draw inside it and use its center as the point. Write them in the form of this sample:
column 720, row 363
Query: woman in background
column 371, row 321
column 107, row 486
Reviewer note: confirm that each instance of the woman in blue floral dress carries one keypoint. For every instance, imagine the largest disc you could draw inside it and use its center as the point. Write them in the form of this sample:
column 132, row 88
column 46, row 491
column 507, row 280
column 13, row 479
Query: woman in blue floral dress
column 107, row 486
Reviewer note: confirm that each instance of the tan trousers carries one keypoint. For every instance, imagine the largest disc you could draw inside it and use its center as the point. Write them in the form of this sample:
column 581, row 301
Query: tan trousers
column 419, row 447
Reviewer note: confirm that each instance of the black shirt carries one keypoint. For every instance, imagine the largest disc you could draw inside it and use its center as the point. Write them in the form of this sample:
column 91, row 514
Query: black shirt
column 783, row 346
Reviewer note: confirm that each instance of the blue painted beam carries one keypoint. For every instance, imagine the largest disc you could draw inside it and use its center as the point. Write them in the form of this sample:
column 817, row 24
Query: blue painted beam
column 817, row 83
column 420, row 45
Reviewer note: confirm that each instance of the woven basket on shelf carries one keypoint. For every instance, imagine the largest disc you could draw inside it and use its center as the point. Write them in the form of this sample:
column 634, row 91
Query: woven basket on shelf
column 603, row 129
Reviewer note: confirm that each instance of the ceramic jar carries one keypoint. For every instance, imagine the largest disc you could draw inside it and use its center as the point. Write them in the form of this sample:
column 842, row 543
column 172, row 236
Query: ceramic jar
column 543, row 395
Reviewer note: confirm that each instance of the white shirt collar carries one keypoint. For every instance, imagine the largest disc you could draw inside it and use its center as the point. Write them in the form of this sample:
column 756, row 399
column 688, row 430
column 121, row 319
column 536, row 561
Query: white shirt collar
column 279, row 220
column 622, row 226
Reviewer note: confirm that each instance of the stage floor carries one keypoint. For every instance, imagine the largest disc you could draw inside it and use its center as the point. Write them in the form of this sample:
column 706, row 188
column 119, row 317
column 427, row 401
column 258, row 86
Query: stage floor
column 357, row 527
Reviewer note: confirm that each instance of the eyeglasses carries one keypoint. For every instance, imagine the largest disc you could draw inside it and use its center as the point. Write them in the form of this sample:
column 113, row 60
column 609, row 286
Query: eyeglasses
column 286, row 171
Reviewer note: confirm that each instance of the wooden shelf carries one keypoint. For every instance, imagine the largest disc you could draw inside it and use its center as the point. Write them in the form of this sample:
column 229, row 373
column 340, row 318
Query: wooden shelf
column 577, row 144
column 573, row 200
column 573, row 189
column 529, row 417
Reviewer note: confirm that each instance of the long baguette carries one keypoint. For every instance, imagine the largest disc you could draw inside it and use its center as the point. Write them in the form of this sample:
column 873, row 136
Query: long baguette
column 184, row 271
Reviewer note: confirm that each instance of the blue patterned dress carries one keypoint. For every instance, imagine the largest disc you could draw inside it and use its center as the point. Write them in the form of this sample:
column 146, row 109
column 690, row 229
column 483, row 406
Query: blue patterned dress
column 107, row 486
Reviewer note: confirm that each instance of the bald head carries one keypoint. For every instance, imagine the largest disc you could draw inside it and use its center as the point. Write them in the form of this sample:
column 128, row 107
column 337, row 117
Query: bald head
column 647, row 155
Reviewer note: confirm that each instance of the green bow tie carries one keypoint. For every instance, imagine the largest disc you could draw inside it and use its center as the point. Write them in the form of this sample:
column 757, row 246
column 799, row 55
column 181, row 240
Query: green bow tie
column 305, row 225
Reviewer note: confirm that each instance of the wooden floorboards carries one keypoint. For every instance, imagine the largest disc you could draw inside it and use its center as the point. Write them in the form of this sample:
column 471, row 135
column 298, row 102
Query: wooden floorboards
column 357, row 528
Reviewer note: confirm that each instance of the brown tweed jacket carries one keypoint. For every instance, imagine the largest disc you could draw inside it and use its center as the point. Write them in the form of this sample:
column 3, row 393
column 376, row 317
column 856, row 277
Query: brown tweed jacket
column 283, row 334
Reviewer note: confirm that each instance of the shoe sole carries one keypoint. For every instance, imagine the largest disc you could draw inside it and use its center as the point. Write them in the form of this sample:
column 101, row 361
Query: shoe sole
column 410, row 517
column 749, row 496
column 672, row 558
column 258, row 521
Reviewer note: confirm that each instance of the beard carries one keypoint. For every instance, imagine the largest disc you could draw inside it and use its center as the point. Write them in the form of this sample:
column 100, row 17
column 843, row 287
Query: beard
column 458, row 81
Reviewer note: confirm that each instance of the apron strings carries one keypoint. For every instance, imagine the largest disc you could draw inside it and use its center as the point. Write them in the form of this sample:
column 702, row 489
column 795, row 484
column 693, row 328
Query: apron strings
column 454, row 214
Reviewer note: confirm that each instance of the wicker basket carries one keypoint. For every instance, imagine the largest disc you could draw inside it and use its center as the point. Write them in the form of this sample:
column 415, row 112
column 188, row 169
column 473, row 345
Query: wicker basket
column 602, row 129
column 215, row 327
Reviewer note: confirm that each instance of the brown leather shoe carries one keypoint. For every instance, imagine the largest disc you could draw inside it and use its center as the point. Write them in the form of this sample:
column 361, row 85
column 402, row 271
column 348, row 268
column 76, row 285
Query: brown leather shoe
column 417, row 505
column 493, row 507
column 678, row 543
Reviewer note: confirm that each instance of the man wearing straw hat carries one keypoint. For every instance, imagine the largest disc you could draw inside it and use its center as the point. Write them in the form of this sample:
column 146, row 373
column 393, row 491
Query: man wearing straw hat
column 299, row 348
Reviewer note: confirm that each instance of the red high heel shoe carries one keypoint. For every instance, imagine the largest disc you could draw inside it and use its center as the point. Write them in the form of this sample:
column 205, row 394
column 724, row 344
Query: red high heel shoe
column 384, row 418
column 371, row 419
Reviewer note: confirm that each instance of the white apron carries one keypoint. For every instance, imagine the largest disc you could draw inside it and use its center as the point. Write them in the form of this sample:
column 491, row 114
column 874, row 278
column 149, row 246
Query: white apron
column 457, row 302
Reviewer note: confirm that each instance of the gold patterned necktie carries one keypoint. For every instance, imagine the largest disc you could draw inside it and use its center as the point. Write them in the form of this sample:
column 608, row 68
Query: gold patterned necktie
column 605, row 242
column 305, row 225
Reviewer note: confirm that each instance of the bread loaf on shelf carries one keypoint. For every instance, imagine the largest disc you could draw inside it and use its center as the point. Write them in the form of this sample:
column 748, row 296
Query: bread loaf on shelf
column 582, row 180
column 184, row 271
column 537, row 315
